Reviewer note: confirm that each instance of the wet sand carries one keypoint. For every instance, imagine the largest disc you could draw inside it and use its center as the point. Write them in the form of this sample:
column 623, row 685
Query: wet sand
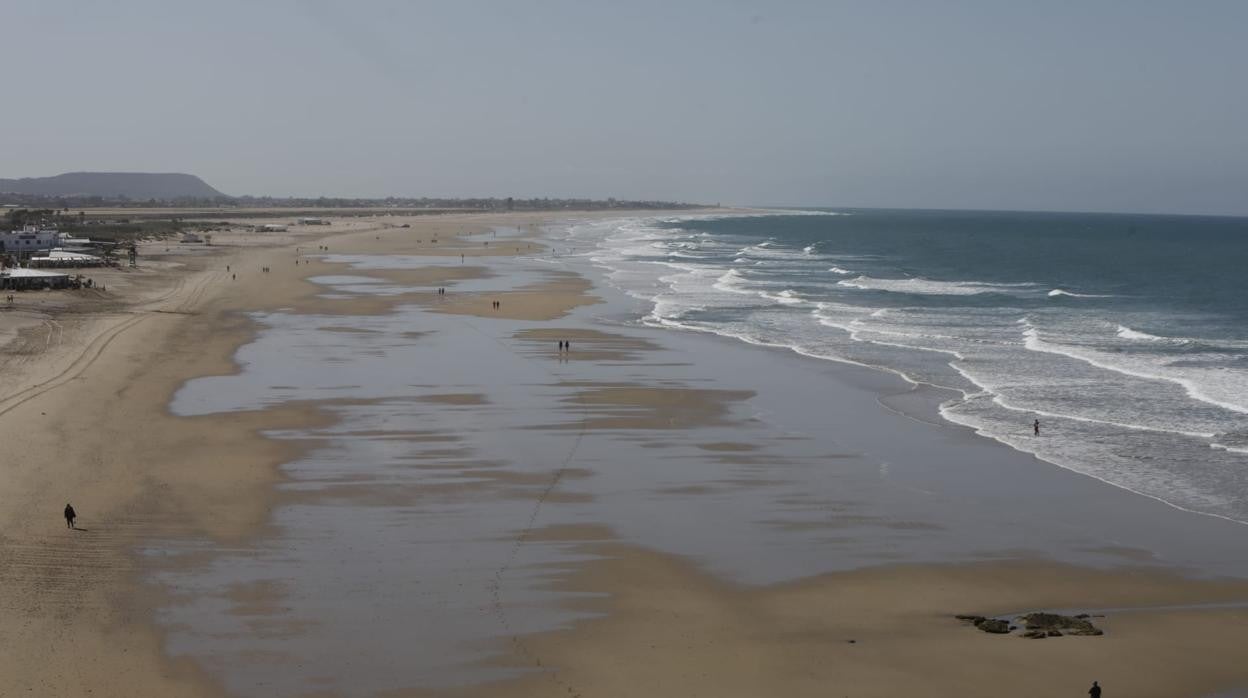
column 668, row 628
column 87, row 377
column 462, row 509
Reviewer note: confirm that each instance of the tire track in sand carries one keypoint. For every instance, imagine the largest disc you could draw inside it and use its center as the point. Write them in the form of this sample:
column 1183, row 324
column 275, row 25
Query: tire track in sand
column 100, row 343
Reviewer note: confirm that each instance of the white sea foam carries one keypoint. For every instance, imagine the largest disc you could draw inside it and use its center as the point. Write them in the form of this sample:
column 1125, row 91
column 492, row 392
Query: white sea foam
column 787, row 297
column 920, row 286
column 733, row 282
column 1232, row 449
column 1059, row 292
column 1207, row 385
column 1128, row 333
column 1123, row 391
column 771, row 251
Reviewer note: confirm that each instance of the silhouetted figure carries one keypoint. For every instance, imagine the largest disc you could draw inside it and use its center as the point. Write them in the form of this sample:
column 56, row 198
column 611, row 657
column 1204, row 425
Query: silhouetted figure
column 70, row 515
column 1095, row 691
column 1035, row 426
column 567, row 345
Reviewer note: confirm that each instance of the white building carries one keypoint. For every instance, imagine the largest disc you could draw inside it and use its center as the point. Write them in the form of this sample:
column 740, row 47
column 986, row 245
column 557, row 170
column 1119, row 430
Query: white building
column 29, row 240
column 69, row 241
column 63, row 258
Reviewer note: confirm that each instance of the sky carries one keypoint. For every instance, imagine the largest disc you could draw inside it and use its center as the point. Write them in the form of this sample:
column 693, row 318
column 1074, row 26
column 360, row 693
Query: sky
column 1047, row 105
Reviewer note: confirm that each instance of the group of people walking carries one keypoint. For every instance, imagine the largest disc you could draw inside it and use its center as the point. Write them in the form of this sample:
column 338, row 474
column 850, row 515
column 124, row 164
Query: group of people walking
column 564, row 346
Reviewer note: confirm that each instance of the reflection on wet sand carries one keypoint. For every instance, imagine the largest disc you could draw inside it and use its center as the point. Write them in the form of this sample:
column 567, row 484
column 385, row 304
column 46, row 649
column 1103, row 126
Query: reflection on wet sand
column 482, row 514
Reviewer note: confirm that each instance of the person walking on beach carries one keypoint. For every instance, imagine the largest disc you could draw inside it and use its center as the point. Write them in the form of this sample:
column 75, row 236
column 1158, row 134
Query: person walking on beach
column 70, row 515
column 1095, row 691
column 1035, row 427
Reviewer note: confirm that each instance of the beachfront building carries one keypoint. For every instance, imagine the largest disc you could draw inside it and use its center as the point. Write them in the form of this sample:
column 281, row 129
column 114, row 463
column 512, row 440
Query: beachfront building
column 271, row 228
column 69, row 242
column 63, row 258
column 313, row 221
column 32, row 279
column 28, row 240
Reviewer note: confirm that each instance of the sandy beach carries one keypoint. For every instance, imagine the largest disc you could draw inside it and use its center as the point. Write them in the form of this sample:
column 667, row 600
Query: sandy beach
column 331, row 479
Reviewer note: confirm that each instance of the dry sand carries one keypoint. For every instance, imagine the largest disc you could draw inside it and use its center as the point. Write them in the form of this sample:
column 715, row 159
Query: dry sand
column 85, row 387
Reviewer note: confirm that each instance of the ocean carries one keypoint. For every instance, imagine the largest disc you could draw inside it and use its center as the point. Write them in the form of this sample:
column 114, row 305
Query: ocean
column 1125, row 335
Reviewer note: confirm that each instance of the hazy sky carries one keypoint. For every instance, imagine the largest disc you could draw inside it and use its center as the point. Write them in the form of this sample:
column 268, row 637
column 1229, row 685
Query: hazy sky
column 1080, row 105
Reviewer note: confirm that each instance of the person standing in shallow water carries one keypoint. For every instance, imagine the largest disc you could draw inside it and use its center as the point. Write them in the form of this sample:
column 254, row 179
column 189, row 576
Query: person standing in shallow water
column 70, row 515
column 1095, row 691
column 1035, row 426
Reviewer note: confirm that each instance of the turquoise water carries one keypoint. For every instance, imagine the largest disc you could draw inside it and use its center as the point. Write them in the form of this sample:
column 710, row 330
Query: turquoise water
column 1125, row 335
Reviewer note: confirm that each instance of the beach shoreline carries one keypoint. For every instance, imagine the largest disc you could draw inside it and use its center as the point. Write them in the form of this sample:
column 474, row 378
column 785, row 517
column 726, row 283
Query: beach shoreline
column 219, row 475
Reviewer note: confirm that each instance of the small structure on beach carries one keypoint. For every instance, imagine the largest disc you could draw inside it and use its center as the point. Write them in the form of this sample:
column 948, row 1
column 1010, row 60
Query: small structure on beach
column 18, row 279
column 271, row 228
column 69, row 242
column 63, row 258
column 313, row 221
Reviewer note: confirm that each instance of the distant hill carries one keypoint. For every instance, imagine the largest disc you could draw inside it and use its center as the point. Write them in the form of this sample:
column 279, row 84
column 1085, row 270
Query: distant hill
column 139, row 186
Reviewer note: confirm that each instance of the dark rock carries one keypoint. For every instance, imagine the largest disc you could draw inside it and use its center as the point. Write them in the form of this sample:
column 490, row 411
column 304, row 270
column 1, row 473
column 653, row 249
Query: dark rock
column 973, row 620
column 1055, row 633
column 1072, row 625
column 994, row 626
column 1036, row 634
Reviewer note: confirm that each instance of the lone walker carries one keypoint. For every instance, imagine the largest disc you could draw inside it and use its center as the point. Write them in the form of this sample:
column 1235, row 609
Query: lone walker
column 1095, row 691
column 70, row 515
column 1035, row 427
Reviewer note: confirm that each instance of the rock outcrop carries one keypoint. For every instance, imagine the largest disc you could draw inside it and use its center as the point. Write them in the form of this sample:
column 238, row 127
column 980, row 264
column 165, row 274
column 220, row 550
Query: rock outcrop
column 1052, row 622
column 1035, row 625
